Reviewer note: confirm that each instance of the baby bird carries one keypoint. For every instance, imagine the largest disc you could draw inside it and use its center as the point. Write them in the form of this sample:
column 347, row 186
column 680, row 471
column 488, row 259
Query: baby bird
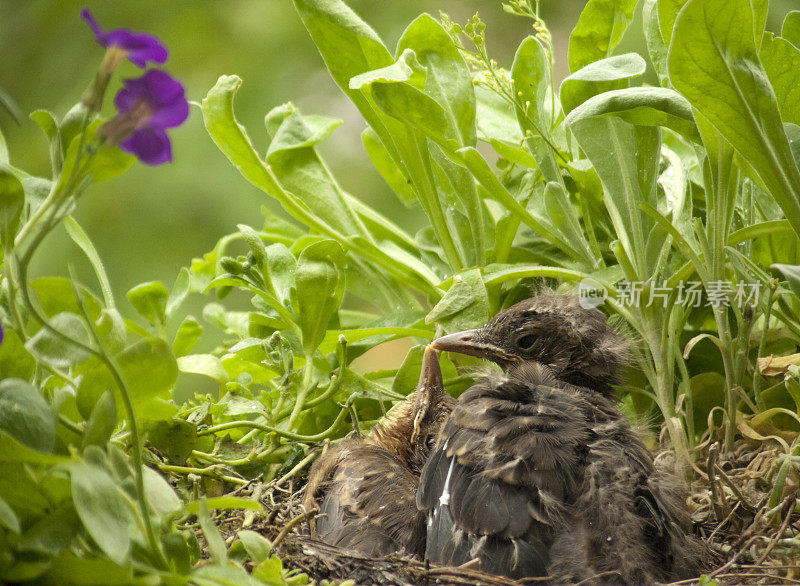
column 366, row 487
column 537, row 473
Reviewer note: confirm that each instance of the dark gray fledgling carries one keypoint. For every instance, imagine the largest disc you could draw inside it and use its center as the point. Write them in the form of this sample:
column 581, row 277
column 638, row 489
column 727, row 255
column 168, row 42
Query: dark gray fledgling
column 538, row 473
column 366, row 487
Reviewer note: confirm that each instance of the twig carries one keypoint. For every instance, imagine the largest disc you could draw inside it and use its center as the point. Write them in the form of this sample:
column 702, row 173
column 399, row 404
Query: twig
column 712, row 481
column 292, row 524
column 788, row 504
column 300, row 465
column 735, row 489
column 736, row 556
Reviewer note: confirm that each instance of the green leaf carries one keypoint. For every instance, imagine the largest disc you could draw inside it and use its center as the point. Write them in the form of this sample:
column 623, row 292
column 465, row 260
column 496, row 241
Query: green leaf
column 161, row 496
column 792, row 275
column 667, row 13
column 254, row 243
column 414, row 107
column 101, row 422
column 79, row 237
column 47, row 122
column 224, row 502
column 149, row 369
column 56, row 295
column 54, row 532
column 714, row 63
column 320, row 286
column 8, row 518
column 25, row 415
column 448, row 80
column 174, row 438
column 15, row 361
column 282, row 266
column 781, row 61
column 57, row 350
column 257, row 546
column 532, row 79
column 386, row 166
column 609, row 74
column 790, row 30
column 626, row 159
column 187, row 336
column 206, row 364
column 12, row 200
column 180, row 289
column 464, row 306
column 150, row 301
column 656, row 46
column 406, row 68
column 293, row 159
column 102, row 509
column 68, row 568
column 600, row 28
column 643, row 106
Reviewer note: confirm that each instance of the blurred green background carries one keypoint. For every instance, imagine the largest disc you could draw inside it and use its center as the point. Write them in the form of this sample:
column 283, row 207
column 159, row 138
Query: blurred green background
column 151, row 221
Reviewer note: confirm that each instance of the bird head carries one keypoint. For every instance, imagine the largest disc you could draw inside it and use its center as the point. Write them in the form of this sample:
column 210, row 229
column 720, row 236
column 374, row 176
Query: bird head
column 577, row 343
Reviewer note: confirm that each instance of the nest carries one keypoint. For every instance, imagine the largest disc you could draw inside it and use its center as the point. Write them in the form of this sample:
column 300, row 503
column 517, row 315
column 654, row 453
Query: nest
column 754, row 540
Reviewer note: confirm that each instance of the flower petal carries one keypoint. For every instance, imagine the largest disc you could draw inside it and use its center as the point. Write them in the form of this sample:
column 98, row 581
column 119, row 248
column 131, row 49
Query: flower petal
column 140, row 47
column 150, row 145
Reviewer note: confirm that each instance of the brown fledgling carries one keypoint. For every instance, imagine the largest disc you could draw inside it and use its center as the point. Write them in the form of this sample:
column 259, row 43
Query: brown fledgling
column 537, row 473
column 366, row 487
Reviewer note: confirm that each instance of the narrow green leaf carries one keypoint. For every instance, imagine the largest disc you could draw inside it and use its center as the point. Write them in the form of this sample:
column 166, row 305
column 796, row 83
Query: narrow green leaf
column 414, row 107
column 8, row 517
column 713, row 61
column 48, row 124
column 282, row 265
column 254, row 243
column 12, row 200
column 600, row 28
column 102, row 509
column 656, row 46
column 79, row 237
column 613, row 73
column 25, row 415
column 320, row 286
column 532, row 79
column 667, row 14
column 224, row 502
column 179, row 291
column 792, row 274
column 161, row 496
column 386, row 166
column 790, row 30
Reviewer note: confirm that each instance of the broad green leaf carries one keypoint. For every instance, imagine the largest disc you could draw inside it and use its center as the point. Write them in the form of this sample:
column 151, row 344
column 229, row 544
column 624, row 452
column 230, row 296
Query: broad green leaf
column 320, row 286
column 57, row 350
column 206, row 364
column 448, row 80
column 600, row 28
column 160, row 495
column 464, row 306
column 562, row 215
column 54, row 532
column 414, row 107
column 80, row 238
column 15, row 360
column 790, row 30
column 781, row 61
column 713, row 62
column 258, row 547
column 667, row 13
column 68, row 568
column 56, row 295
column 149, row 369
column 150, row 301
column 626, row 159
column 386, row 166
column 609, row 74
column 8, row 518
column 101, row 422
column 12, row 200
column 406, row 68
column 187, row 336
column 102, row 509
column 25, row 415
column 643, row 106
column 497, row 119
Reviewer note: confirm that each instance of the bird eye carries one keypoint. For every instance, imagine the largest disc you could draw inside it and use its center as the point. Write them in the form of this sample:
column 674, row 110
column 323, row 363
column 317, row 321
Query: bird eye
column 526, row 341
column 430, row 442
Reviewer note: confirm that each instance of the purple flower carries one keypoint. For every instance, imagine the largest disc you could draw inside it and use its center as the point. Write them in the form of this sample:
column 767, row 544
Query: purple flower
column 1, row 334
column 139, row 47
column 147, row 106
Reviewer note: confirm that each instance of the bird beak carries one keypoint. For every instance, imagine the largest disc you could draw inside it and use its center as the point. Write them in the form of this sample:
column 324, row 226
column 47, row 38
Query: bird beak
column 430, row 377
column 469, row 342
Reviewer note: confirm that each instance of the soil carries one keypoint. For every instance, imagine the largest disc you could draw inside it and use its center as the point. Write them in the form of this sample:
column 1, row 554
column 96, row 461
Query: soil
column 751, row 530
